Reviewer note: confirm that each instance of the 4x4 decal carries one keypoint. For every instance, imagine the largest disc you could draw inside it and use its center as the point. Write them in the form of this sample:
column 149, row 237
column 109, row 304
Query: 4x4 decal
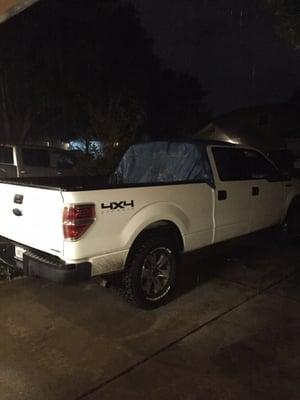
column 121, row 205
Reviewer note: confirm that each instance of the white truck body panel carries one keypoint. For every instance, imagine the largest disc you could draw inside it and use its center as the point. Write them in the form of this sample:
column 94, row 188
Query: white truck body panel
column 267, row 208
column 189, row 206
column 40, row 225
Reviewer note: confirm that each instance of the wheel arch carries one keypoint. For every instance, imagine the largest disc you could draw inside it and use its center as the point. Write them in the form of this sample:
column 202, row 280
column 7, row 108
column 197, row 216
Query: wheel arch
column 164, row 226
column 295, row 200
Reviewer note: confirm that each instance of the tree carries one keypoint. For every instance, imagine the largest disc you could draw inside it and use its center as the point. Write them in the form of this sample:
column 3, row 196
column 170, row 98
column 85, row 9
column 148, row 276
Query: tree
column 121, row 113
column 176, row 105
column 23, row 91
column 295, row 98
column 59, row 60
column 287, row 13
column 87, row 70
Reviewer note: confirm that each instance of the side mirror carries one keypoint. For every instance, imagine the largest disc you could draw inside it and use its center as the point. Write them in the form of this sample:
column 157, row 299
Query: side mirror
column 283, row 174
column 287, row 175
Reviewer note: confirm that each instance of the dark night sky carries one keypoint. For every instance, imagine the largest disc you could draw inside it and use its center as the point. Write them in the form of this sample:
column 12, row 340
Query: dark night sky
column 230, row 45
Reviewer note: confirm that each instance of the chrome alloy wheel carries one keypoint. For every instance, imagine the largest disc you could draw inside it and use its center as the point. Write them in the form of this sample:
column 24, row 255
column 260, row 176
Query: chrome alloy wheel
column 156, row 273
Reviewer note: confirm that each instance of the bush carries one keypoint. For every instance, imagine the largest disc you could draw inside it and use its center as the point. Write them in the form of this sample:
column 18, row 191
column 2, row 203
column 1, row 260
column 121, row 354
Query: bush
column 8, row 272
column 5, row 272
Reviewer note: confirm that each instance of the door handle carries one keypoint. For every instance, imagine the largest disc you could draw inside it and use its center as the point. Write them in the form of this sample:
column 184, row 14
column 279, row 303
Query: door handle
column 255, row 191
column 222, row 195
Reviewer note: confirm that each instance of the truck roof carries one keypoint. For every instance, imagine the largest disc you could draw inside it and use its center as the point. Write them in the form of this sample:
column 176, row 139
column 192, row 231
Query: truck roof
column 204, row 142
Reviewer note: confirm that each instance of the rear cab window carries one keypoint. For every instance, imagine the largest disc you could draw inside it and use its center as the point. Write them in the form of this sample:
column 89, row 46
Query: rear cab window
column 164, row 162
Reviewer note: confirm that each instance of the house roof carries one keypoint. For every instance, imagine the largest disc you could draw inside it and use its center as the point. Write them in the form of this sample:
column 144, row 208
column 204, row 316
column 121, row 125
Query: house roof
column 9, row 8
column 243, row 126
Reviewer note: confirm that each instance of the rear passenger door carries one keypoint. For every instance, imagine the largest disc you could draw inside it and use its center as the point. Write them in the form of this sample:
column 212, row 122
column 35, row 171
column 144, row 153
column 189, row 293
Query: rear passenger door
column 267, row 191
column 232, row 194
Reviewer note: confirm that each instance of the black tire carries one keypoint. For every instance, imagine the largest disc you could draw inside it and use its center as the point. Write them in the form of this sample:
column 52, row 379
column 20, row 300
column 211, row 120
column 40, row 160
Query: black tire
column 151, row 265
column 292, row 221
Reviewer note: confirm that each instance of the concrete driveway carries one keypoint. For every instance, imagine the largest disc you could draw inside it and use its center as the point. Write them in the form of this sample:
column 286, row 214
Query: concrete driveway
column 232, row 331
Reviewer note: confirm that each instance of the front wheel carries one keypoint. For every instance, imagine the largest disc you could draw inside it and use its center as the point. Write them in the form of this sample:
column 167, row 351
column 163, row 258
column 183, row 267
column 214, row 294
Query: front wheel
column 149, row 276
column 292, row 222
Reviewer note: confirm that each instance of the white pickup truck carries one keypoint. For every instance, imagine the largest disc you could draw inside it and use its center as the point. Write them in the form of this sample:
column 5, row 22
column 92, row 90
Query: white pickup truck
column 165, row 199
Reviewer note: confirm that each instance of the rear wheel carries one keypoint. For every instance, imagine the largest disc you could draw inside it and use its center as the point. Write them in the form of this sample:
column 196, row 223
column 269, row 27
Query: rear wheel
column 149, row 276
column 292, row 221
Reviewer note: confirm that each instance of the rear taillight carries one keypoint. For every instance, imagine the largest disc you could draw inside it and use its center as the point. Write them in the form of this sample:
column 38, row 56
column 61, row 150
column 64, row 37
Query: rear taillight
column 77, row 218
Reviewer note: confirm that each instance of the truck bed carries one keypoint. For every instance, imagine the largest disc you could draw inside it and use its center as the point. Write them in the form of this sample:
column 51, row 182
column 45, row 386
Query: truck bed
column 81, row 183
column 62, row 183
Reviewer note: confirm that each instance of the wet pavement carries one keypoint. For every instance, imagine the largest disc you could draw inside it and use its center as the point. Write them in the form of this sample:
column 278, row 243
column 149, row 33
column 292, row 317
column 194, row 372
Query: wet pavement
column 231, row 331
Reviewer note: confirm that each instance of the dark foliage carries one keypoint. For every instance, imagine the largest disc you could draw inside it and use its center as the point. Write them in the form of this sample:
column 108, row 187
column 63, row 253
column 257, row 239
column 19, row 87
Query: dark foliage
column 87, row 69
column 287, row 13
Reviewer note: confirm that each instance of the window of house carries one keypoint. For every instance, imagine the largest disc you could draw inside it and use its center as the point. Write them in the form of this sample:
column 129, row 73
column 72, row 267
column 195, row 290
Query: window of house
column 6, row 155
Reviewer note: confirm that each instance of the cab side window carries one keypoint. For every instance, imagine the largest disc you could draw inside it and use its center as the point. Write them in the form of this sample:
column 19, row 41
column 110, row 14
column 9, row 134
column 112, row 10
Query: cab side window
column 231, row 164
column 260, row 167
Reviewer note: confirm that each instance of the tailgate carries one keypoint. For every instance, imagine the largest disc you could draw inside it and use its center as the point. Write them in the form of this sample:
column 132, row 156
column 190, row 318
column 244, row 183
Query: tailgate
column 32, row 216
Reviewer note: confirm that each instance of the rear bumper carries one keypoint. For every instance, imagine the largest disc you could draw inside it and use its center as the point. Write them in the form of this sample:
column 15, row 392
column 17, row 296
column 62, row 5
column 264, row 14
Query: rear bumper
column 63, row 273
column 43, row 265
